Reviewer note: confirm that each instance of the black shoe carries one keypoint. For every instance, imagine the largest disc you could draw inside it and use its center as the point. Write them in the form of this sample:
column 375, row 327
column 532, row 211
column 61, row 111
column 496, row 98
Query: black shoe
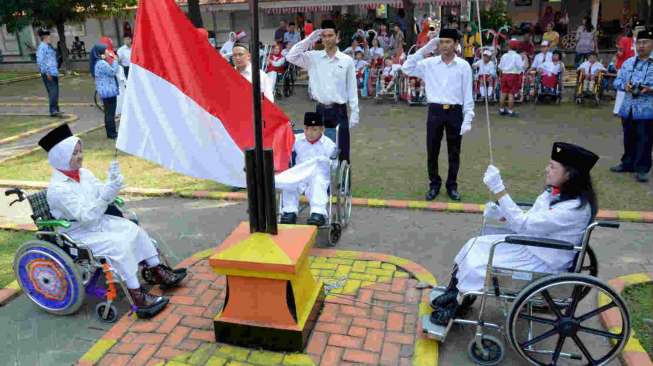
column 453, row 194
column 432, row 193
column 445, row 299
column 167, row 277
column 620, row 169
column 289, row 218
column 642, row 177
column 442, row 316
column 316, row 219
column 147, row 305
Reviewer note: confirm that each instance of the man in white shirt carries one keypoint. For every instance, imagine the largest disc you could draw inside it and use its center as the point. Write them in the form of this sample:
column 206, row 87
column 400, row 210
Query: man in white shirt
column 511, row 67
column 332, row 82
column 448, row 80
column 241, row 57
column 125, row 55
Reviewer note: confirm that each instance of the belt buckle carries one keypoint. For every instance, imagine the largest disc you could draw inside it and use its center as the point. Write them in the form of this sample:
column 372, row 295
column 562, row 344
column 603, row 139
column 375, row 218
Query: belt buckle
column 446, row 106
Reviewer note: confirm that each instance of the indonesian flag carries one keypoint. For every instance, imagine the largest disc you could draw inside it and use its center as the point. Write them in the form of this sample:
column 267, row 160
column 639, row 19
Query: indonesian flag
column 188, row 109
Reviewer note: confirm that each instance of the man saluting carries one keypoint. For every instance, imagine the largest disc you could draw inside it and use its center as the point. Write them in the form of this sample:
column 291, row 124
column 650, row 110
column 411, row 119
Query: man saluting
column 448, row 80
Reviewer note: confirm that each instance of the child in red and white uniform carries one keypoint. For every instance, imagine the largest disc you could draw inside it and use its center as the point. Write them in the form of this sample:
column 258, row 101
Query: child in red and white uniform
column 512, row 67
column 276, row 65
column 550, row 71
column 590, row 70
column 487, row 74
column 388, row 75
column 360, row 64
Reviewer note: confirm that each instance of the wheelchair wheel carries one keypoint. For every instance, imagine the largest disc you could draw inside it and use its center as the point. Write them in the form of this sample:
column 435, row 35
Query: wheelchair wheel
column 335, row 232
column 49, row 277
column 563, row 332
column 111, row 313
column 491, row 354
column 344, row 194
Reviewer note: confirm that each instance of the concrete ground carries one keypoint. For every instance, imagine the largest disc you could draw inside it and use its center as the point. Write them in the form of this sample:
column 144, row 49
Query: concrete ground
column 187, row 226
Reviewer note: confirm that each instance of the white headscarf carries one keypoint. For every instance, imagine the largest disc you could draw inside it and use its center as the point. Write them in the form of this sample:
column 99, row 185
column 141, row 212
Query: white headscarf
column 59, row 156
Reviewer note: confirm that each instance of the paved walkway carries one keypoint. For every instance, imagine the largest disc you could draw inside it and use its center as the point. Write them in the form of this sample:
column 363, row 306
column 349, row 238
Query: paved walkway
column 188, row 226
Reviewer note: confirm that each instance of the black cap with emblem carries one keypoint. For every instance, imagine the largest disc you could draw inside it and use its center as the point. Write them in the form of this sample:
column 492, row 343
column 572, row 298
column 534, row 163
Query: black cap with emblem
column 55, row 136
column 449, row 33
column 645, row 34
column 312, row 119
column 574, row 156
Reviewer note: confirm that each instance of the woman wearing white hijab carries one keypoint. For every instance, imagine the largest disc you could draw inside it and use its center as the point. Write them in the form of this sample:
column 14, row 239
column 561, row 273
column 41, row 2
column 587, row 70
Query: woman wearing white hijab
column 76, row 195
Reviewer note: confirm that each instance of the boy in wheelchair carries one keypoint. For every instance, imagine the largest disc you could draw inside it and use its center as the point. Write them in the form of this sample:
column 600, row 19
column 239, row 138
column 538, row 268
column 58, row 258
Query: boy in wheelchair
column 589, row 73
column 561, row 212
column 309, row 147
column 486, row 75
column 76, row 195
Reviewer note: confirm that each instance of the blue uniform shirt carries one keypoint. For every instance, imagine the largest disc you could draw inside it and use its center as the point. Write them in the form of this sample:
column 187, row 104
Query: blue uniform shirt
column 105, row 79
column 46, row 58
column 637, row 72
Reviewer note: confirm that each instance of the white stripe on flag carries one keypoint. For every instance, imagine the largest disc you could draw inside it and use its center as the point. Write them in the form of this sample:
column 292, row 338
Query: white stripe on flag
column 163, row 125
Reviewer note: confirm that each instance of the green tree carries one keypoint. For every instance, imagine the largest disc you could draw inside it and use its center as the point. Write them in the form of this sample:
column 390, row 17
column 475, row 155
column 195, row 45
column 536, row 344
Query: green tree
column 16, row 14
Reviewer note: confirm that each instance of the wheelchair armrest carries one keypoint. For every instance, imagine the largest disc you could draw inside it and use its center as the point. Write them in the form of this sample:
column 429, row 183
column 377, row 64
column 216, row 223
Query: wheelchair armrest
column 41, row 224
column 335, row 154
column 119, row 202
column 533, row 241
column 524, row 203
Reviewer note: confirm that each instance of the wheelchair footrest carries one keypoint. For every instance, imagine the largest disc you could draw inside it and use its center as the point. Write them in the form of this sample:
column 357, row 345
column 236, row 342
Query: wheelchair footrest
column 437, row 291
column 435, row 331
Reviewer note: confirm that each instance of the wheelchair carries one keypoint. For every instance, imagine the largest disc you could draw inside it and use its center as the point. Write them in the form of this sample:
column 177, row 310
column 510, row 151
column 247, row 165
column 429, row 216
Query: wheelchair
column 57, row 273
column 285, row 85
column 542, row 92
column 393, row 92
column 492, row 84
column 589, row 89
column 543, row 315
column 340, row 196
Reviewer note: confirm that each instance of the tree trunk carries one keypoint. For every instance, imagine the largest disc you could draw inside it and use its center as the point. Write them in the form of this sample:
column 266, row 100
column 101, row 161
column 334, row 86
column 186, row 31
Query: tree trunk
column 67, row 66
column 194, row 13
column 409, row 10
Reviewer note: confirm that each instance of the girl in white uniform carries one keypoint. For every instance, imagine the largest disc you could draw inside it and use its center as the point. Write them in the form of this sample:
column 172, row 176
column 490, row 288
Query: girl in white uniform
column 562, row 212
column 74, row 194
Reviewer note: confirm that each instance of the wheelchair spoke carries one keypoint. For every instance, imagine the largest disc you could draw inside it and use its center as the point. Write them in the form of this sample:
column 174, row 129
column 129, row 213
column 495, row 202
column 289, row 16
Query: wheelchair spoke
column 583, row 349
column 539, row 338
column 601, row 333
column 556, row 353
column 537, row 319
column 551, row 303
column 575, row 299
column 596, row 311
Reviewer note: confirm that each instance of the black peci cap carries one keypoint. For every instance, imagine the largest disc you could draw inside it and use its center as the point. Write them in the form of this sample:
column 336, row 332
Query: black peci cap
column 449, row 33
column 55, row 136
column 312, row 119
column 328, row 24
column 574, row 155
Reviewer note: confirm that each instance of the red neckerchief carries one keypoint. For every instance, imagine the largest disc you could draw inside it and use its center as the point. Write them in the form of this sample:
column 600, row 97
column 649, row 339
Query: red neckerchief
column 72, row 174
column 555, row 191
column 314, row 141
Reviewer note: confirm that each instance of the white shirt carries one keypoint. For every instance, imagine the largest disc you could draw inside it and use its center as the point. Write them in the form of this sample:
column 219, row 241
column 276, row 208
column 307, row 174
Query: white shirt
column 331, row 80
column 551, row 68
column 360, row 65
column 377, row 52
column 266, row 83
column 124, row 55
column 486, row 68
column 445, row 84
column 591, row 68
column 390, row 70
column 323, row 148
column 511, row 63
column 540, row 58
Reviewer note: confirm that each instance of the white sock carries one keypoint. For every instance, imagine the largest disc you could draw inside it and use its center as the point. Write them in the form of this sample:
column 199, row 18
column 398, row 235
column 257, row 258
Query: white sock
column 132, row 282
column 153, row 261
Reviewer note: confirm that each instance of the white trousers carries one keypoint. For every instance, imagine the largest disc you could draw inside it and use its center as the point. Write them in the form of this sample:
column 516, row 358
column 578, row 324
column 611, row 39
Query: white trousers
column 314, row 188
column 273, row 78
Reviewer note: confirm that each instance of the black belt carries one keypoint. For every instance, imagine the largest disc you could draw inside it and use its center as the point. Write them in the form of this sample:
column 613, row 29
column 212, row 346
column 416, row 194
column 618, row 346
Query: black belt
column 447, row 107
column 330, row 106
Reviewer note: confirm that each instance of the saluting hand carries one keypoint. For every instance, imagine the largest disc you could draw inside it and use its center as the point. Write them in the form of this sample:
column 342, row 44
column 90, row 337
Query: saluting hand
column 315, row 35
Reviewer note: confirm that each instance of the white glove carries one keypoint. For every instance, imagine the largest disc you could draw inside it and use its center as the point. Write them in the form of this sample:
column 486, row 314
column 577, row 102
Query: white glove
column 465, row 127
column 492, row 211
column 315, row 35
column 352, row 123
column 110, row 191
column 492, row 180
column 431, row 46
column 114, row 169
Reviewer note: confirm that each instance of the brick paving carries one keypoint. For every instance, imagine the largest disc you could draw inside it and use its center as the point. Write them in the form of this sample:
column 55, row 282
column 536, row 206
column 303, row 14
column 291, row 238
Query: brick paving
column 370, row 318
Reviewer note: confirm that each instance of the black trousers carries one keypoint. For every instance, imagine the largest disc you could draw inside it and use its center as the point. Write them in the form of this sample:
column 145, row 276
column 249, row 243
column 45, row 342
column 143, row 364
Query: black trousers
column 336, row 115
column 110, row 116
column 126, row 70
column 438, row 122
column 52, row 87
column 638, row 144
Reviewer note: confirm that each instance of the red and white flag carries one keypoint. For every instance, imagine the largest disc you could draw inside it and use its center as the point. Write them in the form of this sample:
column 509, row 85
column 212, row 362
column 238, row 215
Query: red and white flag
column 186, row 108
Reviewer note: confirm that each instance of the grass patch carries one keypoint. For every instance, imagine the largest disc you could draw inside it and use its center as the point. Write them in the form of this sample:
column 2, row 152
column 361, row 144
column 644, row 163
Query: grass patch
column 16, row 124
column 9, row 243
column 640, row 302
column 12, row 75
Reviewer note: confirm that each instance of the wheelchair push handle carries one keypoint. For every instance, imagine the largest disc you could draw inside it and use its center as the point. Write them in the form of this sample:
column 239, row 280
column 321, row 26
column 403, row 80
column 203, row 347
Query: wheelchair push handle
column 16, row 191
column 609, row 224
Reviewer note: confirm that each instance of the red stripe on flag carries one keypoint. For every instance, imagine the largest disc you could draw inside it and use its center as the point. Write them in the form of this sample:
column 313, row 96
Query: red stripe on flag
column 168, row 45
